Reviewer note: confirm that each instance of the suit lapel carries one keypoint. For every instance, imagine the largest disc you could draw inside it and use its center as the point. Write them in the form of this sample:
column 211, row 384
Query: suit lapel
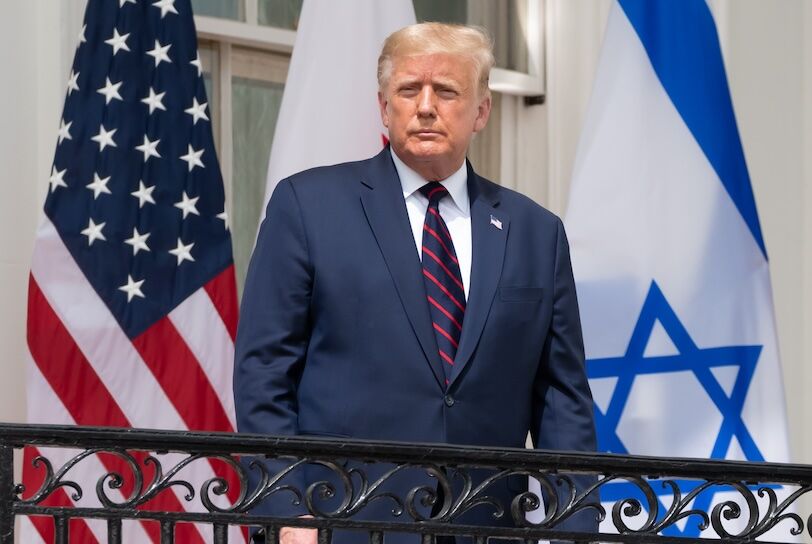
column 489, row 231
column 385, row 209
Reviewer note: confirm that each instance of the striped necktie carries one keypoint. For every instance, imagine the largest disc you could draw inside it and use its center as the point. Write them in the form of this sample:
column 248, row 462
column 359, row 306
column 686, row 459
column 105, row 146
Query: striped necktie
column 441, row 275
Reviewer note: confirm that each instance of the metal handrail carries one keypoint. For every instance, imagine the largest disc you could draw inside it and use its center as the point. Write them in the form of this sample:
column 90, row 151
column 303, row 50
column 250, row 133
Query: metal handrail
column 765, row 494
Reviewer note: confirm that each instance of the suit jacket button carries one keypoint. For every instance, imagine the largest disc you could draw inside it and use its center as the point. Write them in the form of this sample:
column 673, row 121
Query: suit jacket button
column 449, row 401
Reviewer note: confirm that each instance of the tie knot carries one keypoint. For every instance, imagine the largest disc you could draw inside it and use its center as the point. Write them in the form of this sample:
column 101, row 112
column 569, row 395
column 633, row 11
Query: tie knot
column 434, row 191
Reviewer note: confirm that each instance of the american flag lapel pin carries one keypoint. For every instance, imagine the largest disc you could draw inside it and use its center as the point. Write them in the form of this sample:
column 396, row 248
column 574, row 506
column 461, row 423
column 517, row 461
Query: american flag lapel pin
column 496, row 223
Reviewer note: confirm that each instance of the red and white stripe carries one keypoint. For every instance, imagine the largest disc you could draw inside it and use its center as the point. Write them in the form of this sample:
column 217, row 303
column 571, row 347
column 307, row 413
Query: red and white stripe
column 84, row 370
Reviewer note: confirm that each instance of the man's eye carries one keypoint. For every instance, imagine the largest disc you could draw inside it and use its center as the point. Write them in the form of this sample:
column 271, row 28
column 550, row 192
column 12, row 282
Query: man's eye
column 447, row 93
column 408, row 91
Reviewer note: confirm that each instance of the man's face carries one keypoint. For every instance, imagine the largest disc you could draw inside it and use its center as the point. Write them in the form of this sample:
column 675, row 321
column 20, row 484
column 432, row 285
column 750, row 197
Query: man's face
column 432, row 108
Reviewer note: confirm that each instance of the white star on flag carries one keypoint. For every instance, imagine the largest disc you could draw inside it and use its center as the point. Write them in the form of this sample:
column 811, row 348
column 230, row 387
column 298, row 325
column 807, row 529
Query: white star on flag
column 57, row 179
column 183, row 252
column 64, row 131
column 149, row 148
column 118, row 42
column 166, row 6
column 73, row 82
column 188, row 205
column 154, row 100
column 98, row 186
column 105, row 138
column 224, row 217
column 82, row 38
column 122, row 2
column 138, row 241
column 160, row 53
column 143, row 194
column 197, row 111
column 192, row 157
column 110, row 91
column 93, row 232
column 196, row 63
column 132, row 288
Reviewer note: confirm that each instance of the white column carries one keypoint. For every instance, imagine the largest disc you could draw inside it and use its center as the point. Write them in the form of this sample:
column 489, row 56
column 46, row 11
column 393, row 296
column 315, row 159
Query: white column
column 574, row 34
column 804, row 406
column 763, row 46
column 36, row 50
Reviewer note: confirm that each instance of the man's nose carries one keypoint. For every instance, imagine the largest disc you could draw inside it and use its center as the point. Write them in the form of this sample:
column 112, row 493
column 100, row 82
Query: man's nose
column 426, row 106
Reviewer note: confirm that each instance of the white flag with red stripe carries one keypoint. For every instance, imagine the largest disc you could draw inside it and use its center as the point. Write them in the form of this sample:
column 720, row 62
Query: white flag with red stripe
column 132, row 306
column 329, row 112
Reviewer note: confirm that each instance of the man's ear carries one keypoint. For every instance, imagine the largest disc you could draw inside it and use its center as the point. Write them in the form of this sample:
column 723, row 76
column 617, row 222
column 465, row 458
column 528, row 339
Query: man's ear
column 483, row 113
column 382, row 103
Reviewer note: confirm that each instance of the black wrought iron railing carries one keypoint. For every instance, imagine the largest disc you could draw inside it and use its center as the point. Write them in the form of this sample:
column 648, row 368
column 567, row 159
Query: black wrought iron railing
column 644, row 499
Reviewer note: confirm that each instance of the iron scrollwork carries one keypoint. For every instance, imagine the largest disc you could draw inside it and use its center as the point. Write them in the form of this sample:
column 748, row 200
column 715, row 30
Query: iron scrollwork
column 453, row 490
column 116, row 480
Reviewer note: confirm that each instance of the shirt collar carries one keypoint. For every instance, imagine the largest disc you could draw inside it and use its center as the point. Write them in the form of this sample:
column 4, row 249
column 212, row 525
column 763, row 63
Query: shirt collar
column 456, row 183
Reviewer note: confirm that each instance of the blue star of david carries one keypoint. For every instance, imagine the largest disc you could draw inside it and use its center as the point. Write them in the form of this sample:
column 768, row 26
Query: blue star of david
column 690, row 358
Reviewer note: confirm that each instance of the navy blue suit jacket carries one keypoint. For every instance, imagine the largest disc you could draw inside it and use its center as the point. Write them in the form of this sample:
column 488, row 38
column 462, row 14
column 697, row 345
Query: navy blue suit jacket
column 335, row 337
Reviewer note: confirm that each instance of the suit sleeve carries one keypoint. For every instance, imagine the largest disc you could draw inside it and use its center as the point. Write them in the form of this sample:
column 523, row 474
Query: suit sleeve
column 273, row 334
column 563, row 417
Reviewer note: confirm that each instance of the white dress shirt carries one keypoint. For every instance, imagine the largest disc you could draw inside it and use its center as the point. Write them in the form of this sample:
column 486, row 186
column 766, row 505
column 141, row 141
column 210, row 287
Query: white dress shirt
column 455, row 210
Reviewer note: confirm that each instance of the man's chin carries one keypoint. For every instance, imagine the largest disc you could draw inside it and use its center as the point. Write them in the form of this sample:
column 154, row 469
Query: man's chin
column 427, row 153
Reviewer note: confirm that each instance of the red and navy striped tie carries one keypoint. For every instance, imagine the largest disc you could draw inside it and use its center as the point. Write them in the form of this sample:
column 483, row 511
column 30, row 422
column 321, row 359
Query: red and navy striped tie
column 441, row 274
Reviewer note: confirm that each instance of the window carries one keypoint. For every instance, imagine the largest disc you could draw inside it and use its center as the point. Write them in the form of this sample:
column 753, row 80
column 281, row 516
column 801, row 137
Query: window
column 245, row 48
column 228, row 9
column 506, row 21
column 280, row 13
column 245, row 88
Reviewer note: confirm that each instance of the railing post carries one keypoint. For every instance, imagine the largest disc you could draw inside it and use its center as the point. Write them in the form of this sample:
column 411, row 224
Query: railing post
column 167, row 532
column 325, row 536
column 271, row 534
column 61, row 530
column 220, row 533
column 6, row 494
column 114, row 531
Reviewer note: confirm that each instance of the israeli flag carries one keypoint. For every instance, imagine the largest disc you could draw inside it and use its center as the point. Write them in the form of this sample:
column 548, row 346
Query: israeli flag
column 670, row 262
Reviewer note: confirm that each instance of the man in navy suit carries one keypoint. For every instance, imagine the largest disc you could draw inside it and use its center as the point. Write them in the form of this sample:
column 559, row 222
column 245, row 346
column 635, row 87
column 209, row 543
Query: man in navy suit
column 406, row 298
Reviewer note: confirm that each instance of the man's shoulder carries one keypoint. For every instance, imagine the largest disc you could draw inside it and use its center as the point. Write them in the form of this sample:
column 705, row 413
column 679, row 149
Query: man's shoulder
column 334, row 177
column 520, row 207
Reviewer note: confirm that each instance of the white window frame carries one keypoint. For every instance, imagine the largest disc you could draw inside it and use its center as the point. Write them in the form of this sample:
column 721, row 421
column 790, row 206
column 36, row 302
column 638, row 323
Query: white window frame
column 250, row 33
column 531, row 83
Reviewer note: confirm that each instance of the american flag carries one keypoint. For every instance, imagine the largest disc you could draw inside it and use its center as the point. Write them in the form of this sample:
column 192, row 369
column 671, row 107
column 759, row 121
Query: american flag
column 132, row 305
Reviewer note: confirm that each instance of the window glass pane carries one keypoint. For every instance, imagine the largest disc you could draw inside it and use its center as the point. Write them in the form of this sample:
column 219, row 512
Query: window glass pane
column 227, row 9
column 280, row 13
column 209, row 55
column 255, row 109
column 506, row 20
column 447, row 11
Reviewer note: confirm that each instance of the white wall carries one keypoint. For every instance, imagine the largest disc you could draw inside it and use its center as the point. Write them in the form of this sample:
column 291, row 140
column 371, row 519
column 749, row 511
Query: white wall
column 803, row 402
column 22, row 57
column 764, row 48
column 19, row 160
column 768, row 50
column 36, row 43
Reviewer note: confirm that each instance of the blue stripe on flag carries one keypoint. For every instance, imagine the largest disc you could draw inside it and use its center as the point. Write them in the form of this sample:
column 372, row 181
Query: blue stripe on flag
column 681, row 41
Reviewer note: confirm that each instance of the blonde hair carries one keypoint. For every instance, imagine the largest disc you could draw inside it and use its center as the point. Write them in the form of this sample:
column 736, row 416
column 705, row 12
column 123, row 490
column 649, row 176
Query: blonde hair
column 432, row 38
